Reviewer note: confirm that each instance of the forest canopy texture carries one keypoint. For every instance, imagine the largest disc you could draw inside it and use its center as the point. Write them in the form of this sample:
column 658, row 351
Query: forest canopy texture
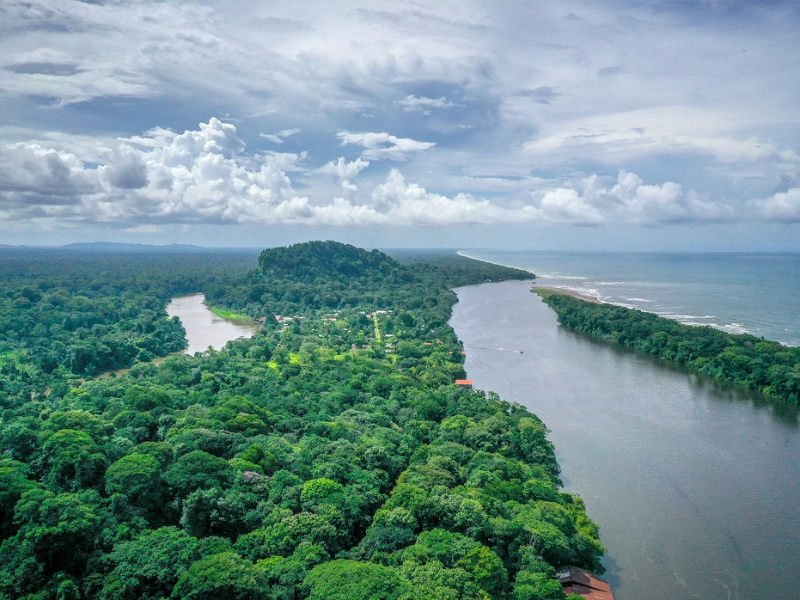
column 330, row 456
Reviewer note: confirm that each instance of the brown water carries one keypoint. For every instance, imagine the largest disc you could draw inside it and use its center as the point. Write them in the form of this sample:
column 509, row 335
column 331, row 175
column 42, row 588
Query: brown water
column 696, row 488
column 203, row 328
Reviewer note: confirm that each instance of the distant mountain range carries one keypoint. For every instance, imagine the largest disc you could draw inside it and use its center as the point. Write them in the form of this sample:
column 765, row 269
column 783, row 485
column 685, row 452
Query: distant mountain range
column 117, row 247
column 121, row 247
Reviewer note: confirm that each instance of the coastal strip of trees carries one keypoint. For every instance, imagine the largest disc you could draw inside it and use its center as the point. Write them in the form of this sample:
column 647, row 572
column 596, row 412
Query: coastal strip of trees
column 759, row 364
column 330, row 456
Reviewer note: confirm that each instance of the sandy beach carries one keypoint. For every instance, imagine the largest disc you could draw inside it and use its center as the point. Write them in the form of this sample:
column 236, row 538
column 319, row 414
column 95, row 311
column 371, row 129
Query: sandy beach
column 537, row 289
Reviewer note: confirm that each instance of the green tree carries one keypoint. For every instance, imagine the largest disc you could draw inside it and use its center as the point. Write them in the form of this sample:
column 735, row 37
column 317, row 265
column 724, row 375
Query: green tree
column 199, row 470
column 14, row 481
column 56, row 531
column 138, row 476
column 351, row 580
column 149, row 565
column 75, row 460
column 225, row 575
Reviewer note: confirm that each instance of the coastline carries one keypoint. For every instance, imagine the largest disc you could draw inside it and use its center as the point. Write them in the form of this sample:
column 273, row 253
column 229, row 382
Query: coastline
column 461, row 253
column 729, row 313
column 544, row 289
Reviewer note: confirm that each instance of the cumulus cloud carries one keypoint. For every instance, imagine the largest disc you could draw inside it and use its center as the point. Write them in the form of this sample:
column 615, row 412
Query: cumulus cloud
column 381, row 146
column 29, row 172
column 345, row 171
column 666, row 203
column 564, row 205
column 197, row 176
column 206, row 176
column 399, row 202
column 782, row 206
column 423, row 105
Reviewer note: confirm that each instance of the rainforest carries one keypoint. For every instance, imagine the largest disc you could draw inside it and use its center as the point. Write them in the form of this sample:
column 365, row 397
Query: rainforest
column 330, row 456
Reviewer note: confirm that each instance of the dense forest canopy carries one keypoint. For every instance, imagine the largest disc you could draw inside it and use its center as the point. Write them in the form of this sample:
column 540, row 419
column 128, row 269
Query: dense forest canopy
column 86, row 312
column 329, row 456
column 327, row 275
column 759, row 364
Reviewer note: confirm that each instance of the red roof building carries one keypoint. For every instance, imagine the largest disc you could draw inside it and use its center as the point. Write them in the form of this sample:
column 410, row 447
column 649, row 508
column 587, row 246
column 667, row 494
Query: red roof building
column 583, row 583
column 465, row 383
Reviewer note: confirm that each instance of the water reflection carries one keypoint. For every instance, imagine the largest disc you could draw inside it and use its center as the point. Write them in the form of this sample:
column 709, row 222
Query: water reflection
column 719, row 390
column 203, row 327
column 694, row 484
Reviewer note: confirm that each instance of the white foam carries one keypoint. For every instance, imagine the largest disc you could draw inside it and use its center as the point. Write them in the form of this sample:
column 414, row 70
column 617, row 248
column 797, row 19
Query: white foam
column 557, row 276
column 735, row 328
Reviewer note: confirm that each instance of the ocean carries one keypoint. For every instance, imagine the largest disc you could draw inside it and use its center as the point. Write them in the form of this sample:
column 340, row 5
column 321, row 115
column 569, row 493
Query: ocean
column 756, row 293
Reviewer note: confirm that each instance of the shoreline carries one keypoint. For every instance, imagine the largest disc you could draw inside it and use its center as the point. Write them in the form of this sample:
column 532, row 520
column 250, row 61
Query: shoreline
column 461, row 253
column 567, row 292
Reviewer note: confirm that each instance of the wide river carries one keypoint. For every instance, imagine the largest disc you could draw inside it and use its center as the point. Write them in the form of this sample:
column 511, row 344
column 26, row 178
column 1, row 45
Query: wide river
column 696, row 488
column 203, row 327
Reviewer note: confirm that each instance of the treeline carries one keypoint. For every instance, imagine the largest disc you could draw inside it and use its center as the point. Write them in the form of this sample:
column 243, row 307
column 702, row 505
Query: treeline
column 328, row 457
column 759, row 364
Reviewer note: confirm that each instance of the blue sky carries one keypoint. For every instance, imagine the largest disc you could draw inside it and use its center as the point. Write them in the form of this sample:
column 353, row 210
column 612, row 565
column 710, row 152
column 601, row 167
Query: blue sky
column 545, row 125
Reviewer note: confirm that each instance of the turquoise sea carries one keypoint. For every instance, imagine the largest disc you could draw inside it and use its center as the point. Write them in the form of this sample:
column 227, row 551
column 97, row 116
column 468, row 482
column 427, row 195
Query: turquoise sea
column 738, row 293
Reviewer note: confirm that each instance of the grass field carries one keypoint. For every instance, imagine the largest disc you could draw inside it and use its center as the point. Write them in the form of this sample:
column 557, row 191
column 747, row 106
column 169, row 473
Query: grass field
column 227, row 314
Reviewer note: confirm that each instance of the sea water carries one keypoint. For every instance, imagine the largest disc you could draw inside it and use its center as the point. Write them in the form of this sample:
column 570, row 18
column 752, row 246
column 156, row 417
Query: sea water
column 738, row 293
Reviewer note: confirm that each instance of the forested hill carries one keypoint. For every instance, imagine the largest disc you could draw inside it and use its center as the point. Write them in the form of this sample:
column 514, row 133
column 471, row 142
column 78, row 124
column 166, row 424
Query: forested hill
column 317, row 275
column 329, row 457
column 762, row 365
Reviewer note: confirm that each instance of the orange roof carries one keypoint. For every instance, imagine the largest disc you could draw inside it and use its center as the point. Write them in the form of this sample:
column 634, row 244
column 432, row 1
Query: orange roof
column 464, row 382
column 583, row 583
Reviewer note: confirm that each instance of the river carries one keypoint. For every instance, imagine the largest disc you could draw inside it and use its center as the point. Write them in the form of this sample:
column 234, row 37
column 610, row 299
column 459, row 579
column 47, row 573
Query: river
column 203, row 327
column 695, row 487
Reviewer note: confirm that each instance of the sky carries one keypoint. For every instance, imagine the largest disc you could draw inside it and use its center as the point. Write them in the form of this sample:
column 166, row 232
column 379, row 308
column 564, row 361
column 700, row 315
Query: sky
column 543, row 125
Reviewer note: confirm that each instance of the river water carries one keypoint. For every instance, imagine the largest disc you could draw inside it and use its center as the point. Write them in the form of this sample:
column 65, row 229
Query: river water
column 203, row 327
column 696, row 487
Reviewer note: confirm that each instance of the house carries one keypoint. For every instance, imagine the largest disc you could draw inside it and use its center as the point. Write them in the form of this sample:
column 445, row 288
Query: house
column 583, row 583
column 465, row 383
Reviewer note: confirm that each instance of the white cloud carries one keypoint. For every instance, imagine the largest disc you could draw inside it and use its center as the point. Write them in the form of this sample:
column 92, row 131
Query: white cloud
column 278, row 138
column 205, row 176
column 423, row 105
column 345, row 171
column 50, row 176
column 564, row 205
column 197, row 176
column 782, row 207
column 381, row 146
column 678, row 130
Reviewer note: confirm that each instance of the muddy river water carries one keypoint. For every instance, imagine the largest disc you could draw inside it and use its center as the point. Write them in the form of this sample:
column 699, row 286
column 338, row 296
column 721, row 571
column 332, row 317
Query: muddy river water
column 203, row 327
